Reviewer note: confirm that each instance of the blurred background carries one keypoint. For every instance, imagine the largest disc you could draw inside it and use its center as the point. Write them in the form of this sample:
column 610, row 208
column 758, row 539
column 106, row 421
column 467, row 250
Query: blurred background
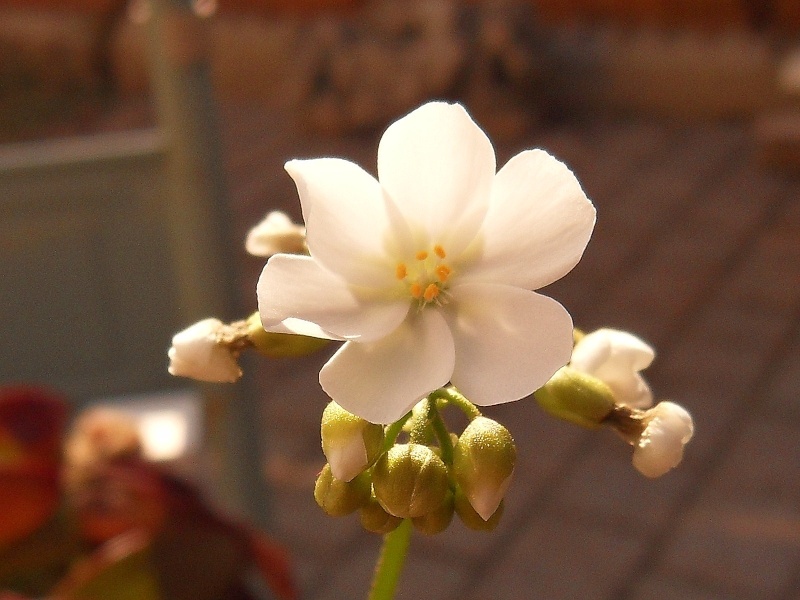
column 141, row 139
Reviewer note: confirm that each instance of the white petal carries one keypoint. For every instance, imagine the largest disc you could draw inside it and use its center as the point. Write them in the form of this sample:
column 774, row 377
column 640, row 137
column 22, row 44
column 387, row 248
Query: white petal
column 381, row 381
column 486, row 497
column 300, row 327
column 509, row 341
column 293, row 289
column 538, row 224
column 438, row 166
column 660, row 448
column 276, row 233
column 347, row 219
column 615, row 357
column 195, row 353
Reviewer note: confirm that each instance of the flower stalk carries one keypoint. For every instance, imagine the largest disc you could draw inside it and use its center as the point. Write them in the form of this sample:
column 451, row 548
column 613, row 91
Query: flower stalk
column 390, row 562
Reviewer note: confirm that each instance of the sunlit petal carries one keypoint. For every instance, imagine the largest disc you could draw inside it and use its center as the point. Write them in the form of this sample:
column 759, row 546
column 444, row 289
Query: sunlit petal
column 347, row 222
column 381, row 381
column 509, row 341
column 438, row 166
column 616, row 357
column 668, row 428
column 538, row 224
column 296, row 287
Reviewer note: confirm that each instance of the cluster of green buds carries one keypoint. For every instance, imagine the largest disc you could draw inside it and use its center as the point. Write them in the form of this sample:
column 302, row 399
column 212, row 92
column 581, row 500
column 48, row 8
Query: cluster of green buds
column 416, row 468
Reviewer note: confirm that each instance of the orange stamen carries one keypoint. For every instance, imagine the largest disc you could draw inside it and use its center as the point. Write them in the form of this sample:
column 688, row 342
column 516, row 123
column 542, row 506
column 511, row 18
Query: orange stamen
column 439, row 251
column 443, row 272
column 401, row 271
column 422, row 255
column 431, row 292
column 416, row 290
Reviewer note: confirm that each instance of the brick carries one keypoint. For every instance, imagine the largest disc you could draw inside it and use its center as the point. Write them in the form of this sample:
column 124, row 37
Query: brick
column 743, row 553
column 606, row 489
column 557, row 560
column 745, row 521
column 769, row 277
column 660, row 587
column 781, row 398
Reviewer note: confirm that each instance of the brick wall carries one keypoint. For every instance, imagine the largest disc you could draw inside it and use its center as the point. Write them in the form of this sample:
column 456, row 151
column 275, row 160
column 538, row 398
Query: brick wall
column 713, row 15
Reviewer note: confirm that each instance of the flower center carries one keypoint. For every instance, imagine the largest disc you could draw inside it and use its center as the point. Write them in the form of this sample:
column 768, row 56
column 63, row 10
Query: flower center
column 425, row 278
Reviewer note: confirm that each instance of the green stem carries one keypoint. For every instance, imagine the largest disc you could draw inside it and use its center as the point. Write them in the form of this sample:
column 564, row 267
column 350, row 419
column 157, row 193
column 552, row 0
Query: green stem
column 419, row 433
column 390, row 562
column 440, row 429
column 393, row 430
column 454, row 397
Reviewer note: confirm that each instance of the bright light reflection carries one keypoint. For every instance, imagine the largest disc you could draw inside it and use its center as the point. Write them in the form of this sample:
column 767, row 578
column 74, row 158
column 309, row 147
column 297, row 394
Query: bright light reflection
column 165, row 434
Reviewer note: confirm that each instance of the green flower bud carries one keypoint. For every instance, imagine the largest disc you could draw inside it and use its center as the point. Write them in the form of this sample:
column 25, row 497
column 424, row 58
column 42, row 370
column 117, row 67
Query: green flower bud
column 410, row 480
column 483, row 462
column 576, row 397
column 438, row 520
column 339, row 498
column 280, row 345
column 350, row 443
column 377, row 520
column 473, row 520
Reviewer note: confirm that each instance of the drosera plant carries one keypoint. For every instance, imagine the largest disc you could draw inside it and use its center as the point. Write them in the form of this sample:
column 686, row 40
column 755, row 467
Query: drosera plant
column 427, row 276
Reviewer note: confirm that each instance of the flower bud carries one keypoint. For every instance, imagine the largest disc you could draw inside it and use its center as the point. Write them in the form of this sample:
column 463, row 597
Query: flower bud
column 339, row 498
column 276, row 233
column 410, row 480
column 349, row 442
column 375, row 519
column 483, row 463
column 196, row 352
column 615, row 358
column 668, row 427
column 280, row 345
column 437, row 520
column 576, row 397
column 472, row 519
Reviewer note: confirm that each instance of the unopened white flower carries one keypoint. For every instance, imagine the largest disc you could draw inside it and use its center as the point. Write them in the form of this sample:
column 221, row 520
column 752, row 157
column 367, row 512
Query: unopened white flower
column 668, row 428
column 197, row 353
column 349, row 442
column 276, row 233
column 427, row 272
column 483, row 464
column 615, row 358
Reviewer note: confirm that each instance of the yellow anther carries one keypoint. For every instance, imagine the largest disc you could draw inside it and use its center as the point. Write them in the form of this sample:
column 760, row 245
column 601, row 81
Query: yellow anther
column 401, row 271
column 431, row 292
column 443, row 272
column 416, row 291
column 422, row 255
column 439, row 251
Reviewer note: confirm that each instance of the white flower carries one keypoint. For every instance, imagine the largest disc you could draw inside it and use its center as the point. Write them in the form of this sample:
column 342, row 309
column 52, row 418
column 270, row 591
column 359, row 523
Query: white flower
column 668, row 428
column 426, row 273
column 276, row 233
column 615, row 358
column 196, row 353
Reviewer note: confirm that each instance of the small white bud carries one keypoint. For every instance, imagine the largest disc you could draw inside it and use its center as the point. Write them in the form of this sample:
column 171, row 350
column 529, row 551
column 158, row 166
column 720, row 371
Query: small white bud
column 615, row 358
column 668, row 427
column 197, row 353
column 275, row 234
column 483, row 463
column 349, row 442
